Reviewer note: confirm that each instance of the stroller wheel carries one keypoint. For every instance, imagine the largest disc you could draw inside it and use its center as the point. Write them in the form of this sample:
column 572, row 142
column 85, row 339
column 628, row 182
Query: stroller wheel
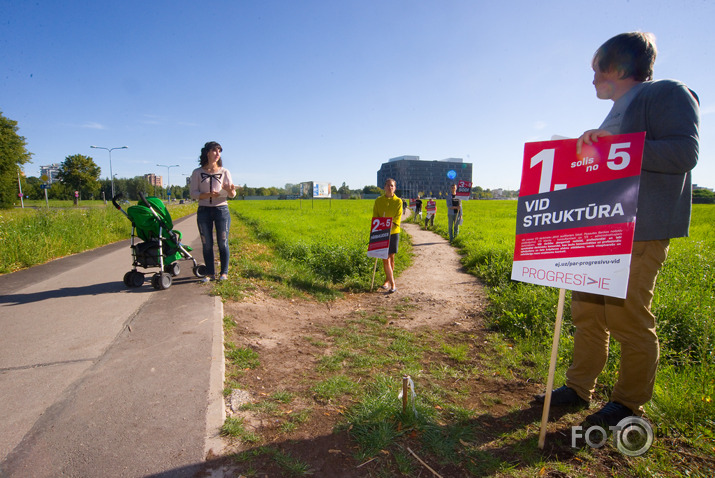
column 133, row 279
column 161, row 281
column 201, row 270
column 137, row 279
column 174, row 269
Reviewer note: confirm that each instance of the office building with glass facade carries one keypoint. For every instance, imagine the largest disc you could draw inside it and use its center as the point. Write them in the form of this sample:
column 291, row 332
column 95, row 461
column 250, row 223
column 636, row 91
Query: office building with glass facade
column 426, row 178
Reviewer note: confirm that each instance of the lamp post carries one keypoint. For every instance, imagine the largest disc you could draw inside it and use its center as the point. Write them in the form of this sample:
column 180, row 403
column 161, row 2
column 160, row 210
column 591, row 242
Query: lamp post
column 110, row 162
column 168, row 178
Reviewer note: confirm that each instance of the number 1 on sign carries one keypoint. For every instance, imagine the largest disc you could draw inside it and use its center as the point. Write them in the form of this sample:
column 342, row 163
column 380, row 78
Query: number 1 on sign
column 546, row 158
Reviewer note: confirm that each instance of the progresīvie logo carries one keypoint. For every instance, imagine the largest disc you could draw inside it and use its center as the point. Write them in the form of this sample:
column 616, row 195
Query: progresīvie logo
column 633, row 436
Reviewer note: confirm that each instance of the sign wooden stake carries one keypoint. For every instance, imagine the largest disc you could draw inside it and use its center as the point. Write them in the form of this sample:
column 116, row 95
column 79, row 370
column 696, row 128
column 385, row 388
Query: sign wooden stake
column 552, row 367
column 405, row 389
column 374, row 269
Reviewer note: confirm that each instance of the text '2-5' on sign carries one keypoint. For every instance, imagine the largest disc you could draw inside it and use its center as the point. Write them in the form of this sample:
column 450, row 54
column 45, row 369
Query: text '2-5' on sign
column 576, row 214
column 380, row 237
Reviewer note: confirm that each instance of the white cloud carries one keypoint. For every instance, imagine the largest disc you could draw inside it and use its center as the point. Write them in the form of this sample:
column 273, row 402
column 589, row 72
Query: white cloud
column 92, row 125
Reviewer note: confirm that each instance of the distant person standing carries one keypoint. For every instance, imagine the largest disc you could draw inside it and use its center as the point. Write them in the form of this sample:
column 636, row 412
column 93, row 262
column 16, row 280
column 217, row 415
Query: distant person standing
column 418, row 207
column 669, row 113
column 211, row 184
column 389, row 205
column 454, row 213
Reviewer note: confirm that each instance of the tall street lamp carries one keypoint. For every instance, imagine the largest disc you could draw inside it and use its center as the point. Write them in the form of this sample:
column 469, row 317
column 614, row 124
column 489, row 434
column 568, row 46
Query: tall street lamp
column 168, row 178
column 110, row 162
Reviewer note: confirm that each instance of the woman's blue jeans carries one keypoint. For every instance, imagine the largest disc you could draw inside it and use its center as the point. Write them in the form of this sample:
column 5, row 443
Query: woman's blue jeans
column 206, row 218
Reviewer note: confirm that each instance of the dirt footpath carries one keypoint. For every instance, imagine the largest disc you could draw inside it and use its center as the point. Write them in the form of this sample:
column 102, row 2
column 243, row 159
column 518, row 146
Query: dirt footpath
column 446, row 294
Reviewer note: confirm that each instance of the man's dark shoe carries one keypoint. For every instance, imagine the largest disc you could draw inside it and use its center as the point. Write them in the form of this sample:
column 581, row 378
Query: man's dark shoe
column 610, row 415
column 564, row 397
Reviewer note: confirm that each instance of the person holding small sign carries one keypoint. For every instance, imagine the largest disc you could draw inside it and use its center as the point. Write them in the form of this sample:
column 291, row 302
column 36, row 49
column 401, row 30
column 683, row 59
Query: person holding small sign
column 389, row 205
column 454, row 213
column 668, row 111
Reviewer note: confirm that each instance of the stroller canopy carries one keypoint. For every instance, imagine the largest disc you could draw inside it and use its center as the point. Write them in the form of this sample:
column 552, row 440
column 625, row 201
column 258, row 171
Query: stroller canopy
column 147, row 223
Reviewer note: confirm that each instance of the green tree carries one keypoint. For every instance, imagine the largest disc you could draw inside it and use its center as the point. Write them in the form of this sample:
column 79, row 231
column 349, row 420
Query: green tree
column 59, row 191
column 372, row 190
column 13, row 155
column 292, row 189
column 137, row 184
column 344, row 189
column 31, row 188
column 246, row 191
column 80, row 173
column 703, row 196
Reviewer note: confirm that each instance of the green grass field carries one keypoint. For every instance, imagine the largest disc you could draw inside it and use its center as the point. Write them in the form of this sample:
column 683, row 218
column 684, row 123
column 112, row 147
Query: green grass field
column 325, row 240
column 37, row 234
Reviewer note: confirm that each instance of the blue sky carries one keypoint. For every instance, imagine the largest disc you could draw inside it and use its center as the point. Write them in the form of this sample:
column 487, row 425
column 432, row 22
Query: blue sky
column 326, row 90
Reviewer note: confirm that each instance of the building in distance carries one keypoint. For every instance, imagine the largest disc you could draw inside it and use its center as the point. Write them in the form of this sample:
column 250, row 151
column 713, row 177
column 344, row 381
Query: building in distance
column 50, row 172
column 154, row 180
column 427, row 178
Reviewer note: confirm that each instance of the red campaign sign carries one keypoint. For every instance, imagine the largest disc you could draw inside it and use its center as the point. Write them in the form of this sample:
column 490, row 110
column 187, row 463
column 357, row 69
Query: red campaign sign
column 431, row 208
column 464, row 189
column 576, row 214
column 379, row 237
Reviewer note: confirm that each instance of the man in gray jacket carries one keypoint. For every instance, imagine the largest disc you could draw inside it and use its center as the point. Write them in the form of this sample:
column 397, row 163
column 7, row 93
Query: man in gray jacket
column 669, row 114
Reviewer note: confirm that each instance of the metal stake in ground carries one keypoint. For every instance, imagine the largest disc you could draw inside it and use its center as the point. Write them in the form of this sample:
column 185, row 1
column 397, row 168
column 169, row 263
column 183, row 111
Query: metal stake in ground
column 552, row 367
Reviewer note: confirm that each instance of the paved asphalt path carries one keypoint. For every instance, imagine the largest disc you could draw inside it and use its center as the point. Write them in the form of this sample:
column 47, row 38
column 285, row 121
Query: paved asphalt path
column 98, row 380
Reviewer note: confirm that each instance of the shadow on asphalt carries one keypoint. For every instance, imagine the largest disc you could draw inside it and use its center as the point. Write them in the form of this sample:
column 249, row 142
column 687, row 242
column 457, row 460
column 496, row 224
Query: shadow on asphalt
column 94, row 289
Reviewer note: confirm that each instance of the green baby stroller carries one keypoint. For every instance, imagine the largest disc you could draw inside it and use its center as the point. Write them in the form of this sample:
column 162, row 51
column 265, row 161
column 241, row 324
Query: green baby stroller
column 161, row 244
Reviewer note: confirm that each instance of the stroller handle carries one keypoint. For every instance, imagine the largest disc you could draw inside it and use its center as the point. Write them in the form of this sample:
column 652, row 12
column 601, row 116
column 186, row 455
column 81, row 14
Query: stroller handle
column 142, row 196
column 115, row 198
column 116, row 205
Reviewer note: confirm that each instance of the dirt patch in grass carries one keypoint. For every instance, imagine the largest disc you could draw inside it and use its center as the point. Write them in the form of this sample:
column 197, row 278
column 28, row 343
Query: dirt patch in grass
column 291, row 427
